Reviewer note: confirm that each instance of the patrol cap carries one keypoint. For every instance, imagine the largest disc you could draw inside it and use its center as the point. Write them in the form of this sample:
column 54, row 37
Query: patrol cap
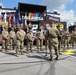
column 12, row 27
column 30, row 30
column 19, row 27
column 5, row 27
column 58, row 26
column 51, row 22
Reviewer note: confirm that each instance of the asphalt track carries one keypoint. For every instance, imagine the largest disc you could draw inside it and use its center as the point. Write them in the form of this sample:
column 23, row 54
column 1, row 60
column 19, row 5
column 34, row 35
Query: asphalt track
column 36, row 64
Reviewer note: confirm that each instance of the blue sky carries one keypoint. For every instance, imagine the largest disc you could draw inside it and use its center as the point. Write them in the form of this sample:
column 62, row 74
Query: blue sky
column 66, row 8
column 14, row 3
column 71, row 5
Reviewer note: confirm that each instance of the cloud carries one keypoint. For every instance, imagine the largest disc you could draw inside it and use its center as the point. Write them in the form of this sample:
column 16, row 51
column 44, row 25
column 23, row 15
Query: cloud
column 1, row 5
column 62, row 7
column 54, row 3
column 68, row 16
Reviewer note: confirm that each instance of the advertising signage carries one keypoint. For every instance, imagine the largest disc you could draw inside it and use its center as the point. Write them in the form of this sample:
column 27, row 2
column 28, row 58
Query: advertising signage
column 57, row 19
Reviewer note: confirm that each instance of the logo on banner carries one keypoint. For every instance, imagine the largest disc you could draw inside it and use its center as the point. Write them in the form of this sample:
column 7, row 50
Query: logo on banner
column 54, row 18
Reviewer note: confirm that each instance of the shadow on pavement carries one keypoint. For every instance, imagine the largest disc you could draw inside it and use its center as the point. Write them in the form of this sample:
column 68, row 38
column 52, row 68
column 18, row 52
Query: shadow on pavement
column 64, row 58
column 13, row 54
column 38, row 57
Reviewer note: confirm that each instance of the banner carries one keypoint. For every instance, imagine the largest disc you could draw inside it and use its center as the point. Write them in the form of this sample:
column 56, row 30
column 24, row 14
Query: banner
column 61, row 25
column 19, row 19
column 10, row 19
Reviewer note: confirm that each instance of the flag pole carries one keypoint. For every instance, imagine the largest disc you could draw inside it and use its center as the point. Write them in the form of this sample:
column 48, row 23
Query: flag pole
column 25, row 18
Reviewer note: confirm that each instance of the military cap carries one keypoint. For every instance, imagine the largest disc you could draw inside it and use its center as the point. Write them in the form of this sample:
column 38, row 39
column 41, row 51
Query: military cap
column 58, row 26
column 51, row 22
column 19, row 27
column 12, row 27
column 5, row 27
column 30, row 30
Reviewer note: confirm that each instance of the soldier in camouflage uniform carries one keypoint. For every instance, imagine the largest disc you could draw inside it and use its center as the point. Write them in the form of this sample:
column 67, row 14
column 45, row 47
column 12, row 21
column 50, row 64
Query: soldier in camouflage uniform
column 30, row 25
column 40, row 37
column 30, row 39
column 24, row 33
column 66, row 38
column 12, row 37
column 46, row 38
column 5, row 38
column 20, row 41
column 52, row 35
column 59, row 39
column 73, row 37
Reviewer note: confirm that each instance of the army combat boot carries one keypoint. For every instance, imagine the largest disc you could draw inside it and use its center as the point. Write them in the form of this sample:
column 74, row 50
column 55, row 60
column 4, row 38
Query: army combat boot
column 56, row 58
column 31, row 50
column 38, row 49
column 51, row 59
column 22, row 53
column 17, row 55
column 3, row 50
column 7, row 50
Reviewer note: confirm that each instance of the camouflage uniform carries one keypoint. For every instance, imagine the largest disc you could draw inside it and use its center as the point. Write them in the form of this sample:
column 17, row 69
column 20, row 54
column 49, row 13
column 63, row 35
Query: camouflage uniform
column 29, row 25
column 46, row 40
column 73, row 38
column 12, row 38
column 39, row 40
column 66, row 38
column 30, row 39
column 59, row 38
column 20, row 41
column 52, row 35
column 24, row 33
column 5, row 39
